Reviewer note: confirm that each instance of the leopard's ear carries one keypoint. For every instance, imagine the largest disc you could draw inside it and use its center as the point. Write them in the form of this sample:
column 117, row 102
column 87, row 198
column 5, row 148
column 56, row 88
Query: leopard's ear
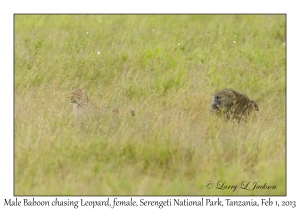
column 83, row 90
column 73, row 88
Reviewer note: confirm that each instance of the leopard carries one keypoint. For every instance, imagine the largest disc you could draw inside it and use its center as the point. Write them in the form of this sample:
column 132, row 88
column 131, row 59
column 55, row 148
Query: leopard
column 82, row 105
column 80, row 102
column 233, row 105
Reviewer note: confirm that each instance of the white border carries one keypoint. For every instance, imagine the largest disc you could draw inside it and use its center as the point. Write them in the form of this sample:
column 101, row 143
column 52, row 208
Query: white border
column 8, row 8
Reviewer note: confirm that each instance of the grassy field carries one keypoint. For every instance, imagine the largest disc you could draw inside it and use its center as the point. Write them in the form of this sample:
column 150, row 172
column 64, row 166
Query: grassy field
column 167, row 67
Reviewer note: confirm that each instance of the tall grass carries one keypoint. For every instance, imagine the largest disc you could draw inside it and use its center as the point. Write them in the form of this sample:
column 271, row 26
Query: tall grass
column 167, row 67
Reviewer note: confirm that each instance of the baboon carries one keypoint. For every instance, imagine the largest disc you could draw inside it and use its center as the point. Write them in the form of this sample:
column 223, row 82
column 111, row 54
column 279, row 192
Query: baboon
column 232, row 104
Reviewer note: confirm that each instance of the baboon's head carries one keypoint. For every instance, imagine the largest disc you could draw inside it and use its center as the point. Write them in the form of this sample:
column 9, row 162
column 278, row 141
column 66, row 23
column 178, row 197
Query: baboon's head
column 215, row 105
column 77, row 97
column 222, row 100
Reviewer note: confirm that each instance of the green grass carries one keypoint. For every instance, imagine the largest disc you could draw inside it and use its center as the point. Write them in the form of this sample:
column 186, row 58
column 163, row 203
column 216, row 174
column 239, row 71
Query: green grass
column 167, row 67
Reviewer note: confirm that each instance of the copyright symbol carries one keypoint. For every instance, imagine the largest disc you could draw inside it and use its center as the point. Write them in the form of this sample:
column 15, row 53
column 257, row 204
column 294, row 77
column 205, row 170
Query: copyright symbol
column 209, row 185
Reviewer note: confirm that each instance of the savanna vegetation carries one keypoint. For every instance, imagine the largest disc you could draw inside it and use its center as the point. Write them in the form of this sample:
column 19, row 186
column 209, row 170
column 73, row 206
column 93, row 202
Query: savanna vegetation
column 166, row 67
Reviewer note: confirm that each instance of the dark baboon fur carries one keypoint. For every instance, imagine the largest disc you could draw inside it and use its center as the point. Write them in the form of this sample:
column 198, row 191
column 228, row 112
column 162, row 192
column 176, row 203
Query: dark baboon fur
column 233, row 105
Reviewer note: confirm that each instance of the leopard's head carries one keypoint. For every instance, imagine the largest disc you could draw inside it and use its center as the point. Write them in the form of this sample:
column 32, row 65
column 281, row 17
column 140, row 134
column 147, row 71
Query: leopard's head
column 77, row 97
